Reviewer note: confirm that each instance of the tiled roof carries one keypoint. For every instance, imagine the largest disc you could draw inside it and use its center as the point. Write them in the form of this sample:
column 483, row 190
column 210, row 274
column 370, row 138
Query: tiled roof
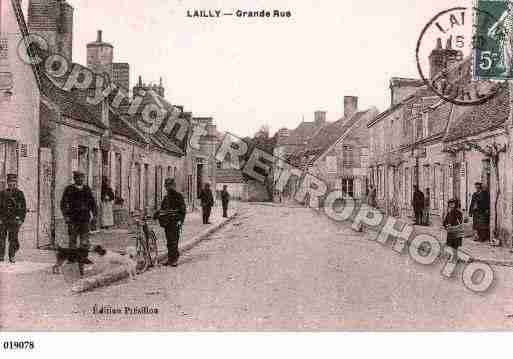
column 302, row 133
column 327, row 136
column 229, row 176
column 421, row 92
column 151, row 97
column 70, row 104
column 120, row 127
column 480, row 118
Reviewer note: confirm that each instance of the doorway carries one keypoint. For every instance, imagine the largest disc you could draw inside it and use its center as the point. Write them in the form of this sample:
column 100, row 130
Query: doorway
column 199, row 178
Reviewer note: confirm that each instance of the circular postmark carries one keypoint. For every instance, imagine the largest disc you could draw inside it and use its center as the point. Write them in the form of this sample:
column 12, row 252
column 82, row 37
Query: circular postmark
column 451, row 50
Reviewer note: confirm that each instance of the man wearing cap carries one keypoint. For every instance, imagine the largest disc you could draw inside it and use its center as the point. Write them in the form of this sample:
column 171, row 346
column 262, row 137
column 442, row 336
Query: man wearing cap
column 79, row 208
column 480, row 212
column 207, row 202
column 418, row 204
column 172, row 215
column 13, row 210
column 225, row 199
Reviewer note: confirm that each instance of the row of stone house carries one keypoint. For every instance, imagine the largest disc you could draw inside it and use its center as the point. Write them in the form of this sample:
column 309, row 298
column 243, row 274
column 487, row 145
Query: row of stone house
column 420, row 140
column 443, row 148
column 46, row 133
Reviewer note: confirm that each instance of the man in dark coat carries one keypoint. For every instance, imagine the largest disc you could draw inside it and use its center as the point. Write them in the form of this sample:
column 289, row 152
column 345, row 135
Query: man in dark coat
column 225, row 199
column 207, row 202
column 480, row 212
column 172, row 216
column 418, row 204
column 79, row 209
column 13, row 209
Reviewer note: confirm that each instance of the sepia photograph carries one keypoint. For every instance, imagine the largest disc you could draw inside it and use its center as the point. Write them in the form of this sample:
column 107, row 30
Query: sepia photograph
column 255, row 166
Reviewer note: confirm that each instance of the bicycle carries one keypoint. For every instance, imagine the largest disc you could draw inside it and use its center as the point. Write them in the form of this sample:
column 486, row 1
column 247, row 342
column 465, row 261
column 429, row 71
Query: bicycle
column 146, row 245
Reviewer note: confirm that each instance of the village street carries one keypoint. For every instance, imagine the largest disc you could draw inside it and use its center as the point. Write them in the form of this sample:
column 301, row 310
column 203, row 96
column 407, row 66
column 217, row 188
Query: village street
column 272, row 268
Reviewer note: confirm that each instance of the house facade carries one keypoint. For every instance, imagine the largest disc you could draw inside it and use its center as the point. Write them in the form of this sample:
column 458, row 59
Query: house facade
column 46, row 133
column 443, row 148
column 338, row 152
column 19, row 116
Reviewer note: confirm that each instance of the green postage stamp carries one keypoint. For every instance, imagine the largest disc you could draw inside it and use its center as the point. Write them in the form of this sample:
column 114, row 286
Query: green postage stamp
column 493, row 40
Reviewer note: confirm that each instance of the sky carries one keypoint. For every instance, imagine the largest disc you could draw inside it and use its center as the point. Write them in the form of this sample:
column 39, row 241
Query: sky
column 250, row 72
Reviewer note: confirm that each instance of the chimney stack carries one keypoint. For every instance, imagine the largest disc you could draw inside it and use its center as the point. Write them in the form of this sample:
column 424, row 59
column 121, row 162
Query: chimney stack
column 320, row 117
column 350, row 106
column 99, row 37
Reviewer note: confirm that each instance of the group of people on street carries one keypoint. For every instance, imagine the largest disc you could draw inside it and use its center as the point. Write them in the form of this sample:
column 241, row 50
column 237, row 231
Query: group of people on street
column 453, row 220
column 173, row 207
column 80, row 210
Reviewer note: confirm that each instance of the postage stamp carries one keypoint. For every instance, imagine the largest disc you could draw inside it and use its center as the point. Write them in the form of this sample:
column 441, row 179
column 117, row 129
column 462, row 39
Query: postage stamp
column 446, row 56
column 493, row 40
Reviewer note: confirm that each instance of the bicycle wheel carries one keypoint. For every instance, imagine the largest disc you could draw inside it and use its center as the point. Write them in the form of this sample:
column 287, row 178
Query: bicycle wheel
column 153, row 248
column 141, row 256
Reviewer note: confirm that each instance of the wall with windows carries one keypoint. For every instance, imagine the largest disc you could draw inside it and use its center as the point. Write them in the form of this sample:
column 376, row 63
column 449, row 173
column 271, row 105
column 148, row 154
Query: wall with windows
column 19, row 125
column 345, row 165
column 138, row 174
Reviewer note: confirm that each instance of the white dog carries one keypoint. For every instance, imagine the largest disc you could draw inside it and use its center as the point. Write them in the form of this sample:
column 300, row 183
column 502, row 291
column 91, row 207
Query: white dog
column 128, row 260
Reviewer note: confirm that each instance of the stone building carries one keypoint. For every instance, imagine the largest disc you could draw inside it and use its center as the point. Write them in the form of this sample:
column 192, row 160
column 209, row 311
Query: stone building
column 290, row 141
column 48, row 133
column 338, row 152
column 19, row 116
column 407, row 142
column 443, row 148
column 201, row 163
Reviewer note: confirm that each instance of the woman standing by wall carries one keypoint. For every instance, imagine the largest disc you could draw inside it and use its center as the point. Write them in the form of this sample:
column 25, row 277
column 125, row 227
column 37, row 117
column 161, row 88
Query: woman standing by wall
column 107, row 201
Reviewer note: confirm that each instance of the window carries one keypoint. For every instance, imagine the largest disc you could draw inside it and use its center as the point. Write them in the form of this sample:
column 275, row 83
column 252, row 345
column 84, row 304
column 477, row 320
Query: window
column 331, row 164
column 425, row 122
column 146, row 185
column 347, row 186
column 137, row 186
column 118, row 172
column 365, row 158
column 159, row 172
column 83, row 162
column 168, row 172
column 407, row 186
column 219, row 165
column 8, row 161
column 348, row 156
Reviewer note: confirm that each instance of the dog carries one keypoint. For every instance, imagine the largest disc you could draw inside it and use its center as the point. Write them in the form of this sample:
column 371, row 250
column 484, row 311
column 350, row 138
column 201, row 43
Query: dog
column 72, row 255
column 128, row 260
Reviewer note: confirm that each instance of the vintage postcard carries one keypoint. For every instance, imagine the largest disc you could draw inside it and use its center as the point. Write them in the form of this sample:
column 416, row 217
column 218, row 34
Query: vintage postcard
column 170, row 166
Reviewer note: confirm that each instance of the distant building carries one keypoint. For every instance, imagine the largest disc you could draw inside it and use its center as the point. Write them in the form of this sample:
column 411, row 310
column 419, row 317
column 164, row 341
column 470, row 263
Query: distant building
column 338, row 152
column 422, row 140
column 100, row 59
column 141, row 87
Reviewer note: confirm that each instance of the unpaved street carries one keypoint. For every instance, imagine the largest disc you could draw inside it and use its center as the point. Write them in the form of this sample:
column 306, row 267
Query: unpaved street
column 273, row 268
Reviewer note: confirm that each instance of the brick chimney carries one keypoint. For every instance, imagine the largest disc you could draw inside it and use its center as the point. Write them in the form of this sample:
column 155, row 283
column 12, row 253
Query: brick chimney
column 350, row 106
column 440, row 58
column 320, row 118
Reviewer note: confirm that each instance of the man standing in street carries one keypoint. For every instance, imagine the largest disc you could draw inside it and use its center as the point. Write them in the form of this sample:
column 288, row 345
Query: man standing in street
column 418, row 205
column 171, row 217
column 79, row 209
column 480, row 213
column 207, row 202
column 13, row 210
column 225, row 199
